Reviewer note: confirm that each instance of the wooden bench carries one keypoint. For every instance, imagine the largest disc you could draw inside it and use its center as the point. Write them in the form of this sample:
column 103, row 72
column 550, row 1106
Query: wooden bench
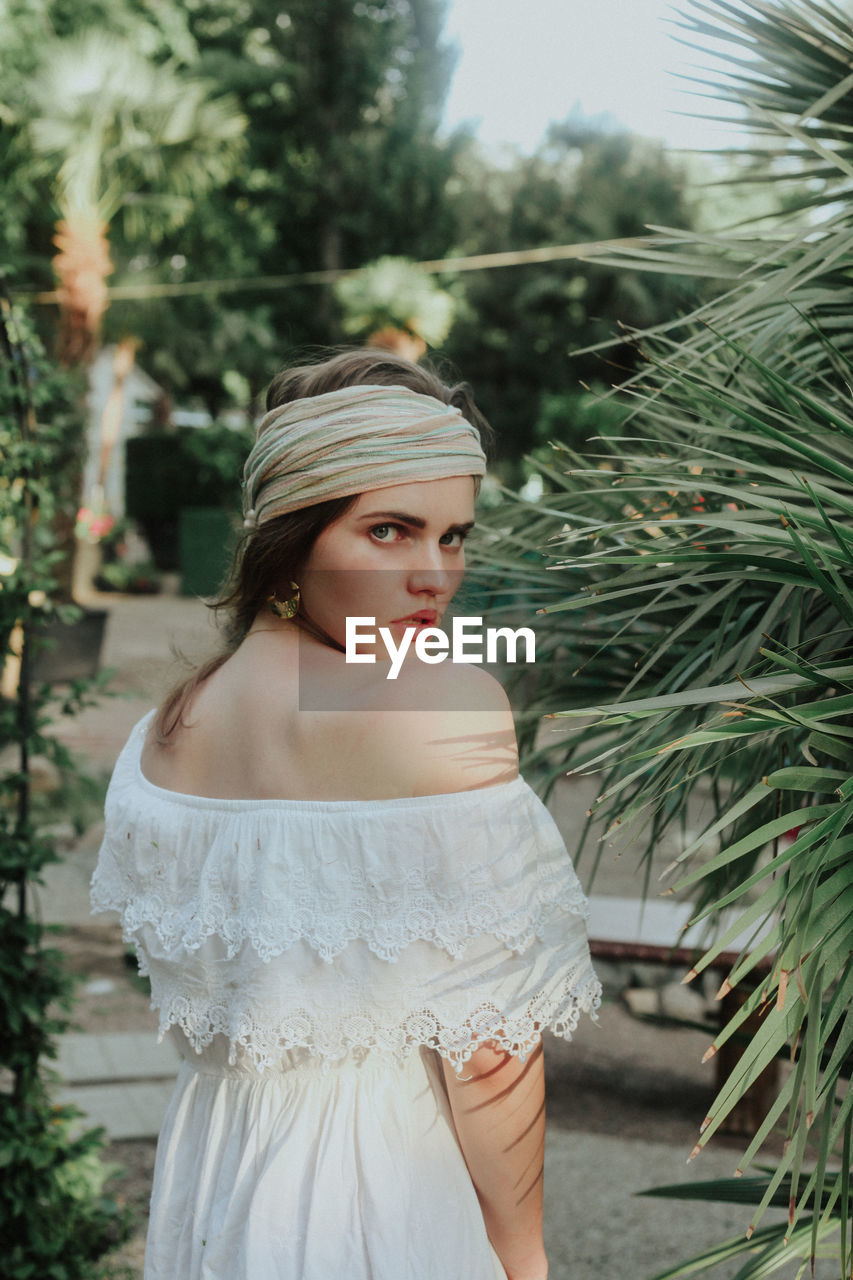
column 631, row 930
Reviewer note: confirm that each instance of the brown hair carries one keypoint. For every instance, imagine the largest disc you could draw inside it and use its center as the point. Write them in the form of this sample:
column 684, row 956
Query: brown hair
column 277, row 551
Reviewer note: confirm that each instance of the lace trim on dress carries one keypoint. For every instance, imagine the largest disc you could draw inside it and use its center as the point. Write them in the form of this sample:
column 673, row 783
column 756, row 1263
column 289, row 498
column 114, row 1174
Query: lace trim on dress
column 265, row 1035
column 274, row 922
column 490, row 862
column 276, row 925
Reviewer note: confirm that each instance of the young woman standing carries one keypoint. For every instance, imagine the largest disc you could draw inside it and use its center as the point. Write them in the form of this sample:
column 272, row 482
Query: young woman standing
column 356, row 915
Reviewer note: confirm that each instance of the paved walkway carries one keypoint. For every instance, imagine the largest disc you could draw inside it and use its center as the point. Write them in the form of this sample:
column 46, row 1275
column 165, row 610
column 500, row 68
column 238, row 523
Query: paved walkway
column 595, row 1227
column 122, row 1081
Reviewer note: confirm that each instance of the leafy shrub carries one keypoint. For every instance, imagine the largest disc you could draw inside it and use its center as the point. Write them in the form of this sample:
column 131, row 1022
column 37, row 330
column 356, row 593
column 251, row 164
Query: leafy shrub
column 696, row 620
column 191, row 467
column 54, row 1220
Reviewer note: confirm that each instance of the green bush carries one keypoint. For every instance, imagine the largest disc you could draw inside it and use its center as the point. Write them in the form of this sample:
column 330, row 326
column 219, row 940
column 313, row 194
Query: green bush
column 54, row 1220
column 192, row 467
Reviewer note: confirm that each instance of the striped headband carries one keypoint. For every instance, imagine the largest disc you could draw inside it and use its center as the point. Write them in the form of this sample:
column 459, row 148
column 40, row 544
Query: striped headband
column 353, row 440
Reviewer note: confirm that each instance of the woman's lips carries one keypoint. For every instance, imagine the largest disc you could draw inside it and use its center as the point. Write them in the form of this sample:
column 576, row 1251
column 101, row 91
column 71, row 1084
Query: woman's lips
column 423, row 618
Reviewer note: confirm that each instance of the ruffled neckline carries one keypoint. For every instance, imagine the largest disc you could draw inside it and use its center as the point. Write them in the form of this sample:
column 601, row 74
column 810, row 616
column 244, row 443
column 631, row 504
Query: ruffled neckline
column 339, row 925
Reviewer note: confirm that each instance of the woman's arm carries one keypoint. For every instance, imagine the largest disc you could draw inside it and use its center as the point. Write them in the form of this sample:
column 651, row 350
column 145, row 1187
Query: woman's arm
column 498, row 1104
column 499, row 1110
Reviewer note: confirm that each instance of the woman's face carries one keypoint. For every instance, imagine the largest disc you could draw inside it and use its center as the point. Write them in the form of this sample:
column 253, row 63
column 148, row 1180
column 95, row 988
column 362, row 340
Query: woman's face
column 397, row 555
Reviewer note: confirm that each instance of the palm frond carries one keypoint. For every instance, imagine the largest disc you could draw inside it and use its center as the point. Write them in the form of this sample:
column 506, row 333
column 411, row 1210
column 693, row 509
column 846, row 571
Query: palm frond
column 693, row 609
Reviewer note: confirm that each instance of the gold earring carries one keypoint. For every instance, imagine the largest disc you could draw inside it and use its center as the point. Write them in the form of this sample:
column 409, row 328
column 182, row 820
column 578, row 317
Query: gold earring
column 285, row 608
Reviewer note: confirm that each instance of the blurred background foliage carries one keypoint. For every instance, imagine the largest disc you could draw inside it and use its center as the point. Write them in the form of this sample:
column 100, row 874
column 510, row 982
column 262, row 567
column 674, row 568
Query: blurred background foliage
column 55, row 1219
column 315, row 146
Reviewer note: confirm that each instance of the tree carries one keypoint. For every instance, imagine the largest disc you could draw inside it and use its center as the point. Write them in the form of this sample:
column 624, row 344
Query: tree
column 110, row 131
column 120, row 133
column 395, row 304
column 343, row 165
column 519, row 325
column 701, row 580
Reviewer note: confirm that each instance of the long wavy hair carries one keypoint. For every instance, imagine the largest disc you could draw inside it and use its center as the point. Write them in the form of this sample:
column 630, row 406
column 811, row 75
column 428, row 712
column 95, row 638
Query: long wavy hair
column 278, row 550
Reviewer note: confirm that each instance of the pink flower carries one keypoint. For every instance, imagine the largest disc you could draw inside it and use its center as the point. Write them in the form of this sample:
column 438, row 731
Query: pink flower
column 93, row 525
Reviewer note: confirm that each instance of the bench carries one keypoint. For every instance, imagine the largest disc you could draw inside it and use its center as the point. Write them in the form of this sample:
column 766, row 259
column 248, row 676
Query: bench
column 652, row 931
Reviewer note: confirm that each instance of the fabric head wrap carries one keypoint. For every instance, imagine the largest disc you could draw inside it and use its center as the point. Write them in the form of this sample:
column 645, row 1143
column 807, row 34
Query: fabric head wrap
column 352, row 440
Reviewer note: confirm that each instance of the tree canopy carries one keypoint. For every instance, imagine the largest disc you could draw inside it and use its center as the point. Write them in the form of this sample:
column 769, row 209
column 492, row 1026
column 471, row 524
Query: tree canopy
column 517, row 334
column 343, row 163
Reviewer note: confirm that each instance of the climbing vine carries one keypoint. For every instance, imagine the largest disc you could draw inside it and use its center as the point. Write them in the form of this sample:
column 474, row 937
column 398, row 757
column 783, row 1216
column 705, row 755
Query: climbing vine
column 54, row 1220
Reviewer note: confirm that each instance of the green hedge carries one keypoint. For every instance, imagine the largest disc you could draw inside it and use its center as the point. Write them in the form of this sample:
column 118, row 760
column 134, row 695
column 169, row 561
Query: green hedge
column 191, row 467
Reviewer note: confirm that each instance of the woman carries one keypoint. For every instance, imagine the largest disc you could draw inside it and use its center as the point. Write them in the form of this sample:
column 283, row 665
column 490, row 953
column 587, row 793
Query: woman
column 356, row 915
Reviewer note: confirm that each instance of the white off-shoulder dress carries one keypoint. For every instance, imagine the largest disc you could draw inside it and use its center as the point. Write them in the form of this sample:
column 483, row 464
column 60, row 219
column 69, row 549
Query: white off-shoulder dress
column 312, row 960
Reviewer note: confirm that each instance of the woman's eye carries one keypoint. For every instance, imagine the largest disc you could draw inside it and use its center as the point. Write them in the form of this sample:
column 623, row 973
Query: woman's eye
column 381, row 532
column 459, row 539
column 395, row 532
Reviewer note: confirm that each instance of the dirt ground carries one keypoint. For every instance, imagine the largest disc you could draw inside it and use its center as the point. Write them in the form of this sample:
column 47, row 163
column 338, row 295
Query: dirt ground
column 624, row 1077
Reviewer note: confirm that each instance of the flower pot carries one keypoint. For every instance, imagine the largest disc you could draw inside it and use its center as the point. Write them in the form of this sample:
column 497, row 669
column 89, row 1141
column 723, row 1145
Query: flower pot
column 75, row 649
column 401, row 341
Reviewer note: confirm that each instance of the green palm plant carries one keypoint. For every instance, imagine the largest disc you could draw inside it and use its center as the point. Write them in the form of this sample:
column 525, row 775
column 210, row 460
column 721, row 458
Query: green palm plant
column 694, row 583
column 119, row 133
column 395, row 297
column 116, row 134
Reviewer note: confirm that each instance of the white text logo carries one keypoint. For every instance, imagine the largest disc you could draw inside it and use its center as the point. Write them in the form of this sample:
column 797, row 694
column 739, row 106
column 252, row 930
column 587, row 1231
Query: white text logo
column 433, row 645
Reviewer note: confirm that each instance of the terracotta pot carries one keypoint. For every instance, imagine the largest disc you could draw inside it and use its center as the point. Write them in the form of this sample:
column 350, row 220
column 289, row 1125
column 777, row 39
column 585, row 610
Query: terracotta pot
column 403, row 343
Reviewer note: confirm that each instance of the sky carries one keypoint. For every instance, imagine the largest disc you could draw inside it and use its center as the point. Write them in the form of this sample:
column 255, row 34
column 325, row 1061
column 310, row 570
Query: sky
column 525, row 62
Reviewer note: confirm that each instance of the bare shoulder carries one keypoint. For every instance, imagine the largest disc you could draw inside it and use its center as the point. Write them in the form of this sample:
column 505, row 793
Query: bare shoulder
column 452, row 685
column 482, row 691
column 459, row 734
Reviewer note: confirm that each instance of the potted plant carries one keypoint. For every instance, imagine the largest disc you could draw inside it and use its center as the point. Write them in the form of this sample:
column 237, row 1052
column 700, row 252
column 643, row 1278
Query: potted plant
column 396, row 305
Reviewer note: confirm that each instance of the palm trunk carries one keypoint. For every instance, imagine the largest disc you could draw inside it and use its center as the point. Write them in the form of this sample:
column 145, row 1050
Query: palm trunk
column 82, row 266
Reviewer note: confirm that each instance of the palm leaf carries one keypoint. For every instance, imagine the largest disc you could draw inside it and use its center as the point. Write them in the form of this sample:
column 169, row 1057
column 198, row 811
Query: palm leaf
column 695, row 611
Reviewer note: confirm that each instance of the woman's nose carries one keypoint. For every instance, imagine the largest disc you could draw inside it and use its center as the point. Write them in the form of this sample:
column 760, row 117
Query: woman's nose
column 431, row 575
